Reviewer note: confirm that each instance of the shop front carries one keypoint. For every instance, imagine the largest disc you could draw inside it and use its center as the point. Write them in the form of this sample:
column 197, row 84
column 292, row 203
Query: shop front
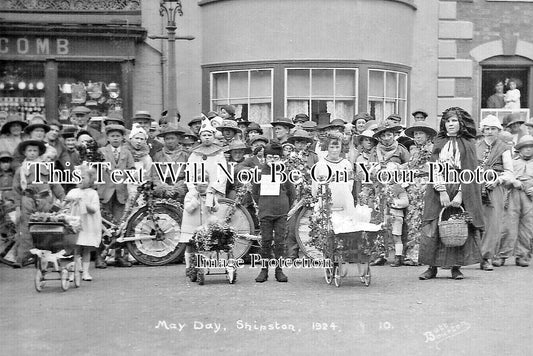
column 51, row 69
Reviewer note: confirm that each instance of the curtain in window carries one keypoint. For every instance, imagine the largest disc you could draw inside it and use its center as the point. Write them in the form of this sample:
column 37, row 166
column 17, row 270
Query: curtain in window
column 259, row 113
column 297, row 107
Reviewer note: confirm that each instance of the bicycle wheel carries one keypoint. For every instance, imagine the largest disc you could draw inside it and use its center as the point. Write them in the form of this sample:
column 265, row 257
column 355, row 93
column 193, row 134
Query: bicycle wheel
column 241, row 221
column 302, row 234
column 155, row 252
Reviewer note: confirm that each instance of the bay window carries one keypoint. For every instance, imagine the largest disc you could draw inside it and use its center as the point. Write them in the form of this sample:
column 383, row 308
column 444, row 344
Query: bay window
column 321, row 90
column 250, row 91
column 387, row 93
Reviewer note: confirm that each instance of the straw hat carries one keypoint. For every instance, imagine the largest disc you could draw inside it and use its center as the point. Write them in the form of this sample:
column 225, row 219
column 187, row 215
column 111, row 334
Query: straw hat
column 420, row 126
column 526, row 140
column 300, row 135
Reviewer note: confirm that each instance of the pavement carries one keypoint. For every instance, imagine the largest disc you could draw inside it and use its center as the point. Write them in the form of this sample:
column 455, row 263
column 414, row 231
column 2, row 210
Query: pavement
column 157, row 311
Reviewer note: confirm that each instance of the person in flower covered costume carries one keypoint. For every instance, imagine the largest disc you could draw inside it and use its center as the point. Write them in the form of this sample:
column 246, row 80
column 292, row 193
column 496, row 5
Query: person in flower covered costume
column 198, row 210
column 422, row 134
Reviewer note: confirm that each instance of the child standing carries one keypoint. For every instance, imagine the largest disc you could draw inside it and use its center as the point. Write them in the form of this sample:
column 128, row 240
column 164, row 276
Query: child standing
column 512, row 96
column 86, row 205
column 274, row 201
column 199, row 207
column 114, row 196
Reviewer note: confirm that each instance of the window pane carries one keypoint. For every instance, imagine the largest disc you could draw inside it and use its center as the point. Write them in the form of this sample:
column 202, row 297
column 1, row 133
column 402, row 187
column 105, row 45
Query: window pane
column 217, row 104
column 260, row 84
column 295, row 107
column 390, row 108
column 322, row 84
column 238, row 85
column 376, row 109
column 392, row 82
column 403, row 86
column 345, row 82
column 220, row 85
column 298, row 82
column 375, row 85
column 345, row 110
column 260, row 113
column 402, row 109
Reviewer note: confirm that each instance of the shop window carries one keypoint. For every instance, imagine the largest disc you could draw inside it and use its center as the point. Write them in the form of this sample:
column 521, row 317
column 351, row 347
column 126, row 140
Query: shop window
column 22, row 88
column 496, row 85
column 387, row 93
column 249, row 90
column 95, row 85
column 319, row 91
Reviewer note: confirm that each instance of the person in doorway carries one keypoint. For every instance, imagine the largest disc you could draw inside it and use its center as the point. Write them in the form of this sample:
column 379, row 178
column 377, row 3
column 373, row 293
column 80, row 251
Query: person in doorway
column 496, row 100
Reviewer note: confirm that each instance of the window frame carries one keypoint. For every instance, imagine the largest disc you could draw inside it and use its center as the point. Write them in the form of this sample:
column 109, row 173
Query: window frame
column 386, row 98
column 248, row 98
column 333, row 97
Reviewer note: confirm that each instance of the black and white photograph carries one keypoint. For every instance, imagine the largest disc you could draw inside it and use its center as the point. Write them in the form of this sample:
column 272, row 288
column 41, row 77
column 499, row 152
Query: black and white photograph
column 266, row 177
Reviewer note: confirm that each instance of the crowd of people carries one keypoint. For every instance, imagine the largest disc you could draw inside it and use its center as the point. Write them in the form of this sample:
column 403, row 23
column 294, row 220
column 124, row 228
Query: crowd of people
column 500, row 212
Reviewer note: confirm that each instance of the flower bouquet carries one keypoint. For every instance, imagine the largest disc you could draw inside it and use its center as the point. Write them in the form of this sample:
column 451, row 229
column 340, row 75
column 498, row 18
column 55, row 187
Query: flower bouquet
column 72, row 223
column 214, row 236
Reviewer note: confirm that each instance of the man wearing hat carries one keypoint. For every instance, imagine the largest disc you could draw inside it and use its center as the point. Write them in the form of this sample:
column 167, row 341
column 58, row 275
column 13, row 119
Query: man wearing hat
column 254, row 129
column 227, row 112
column 243, row 123
column 196, row 123
column 513, row 124
column 172, row 151
column 494, row 154
column 80, row 118
column 299, row 119
column 282, row 128
column 52, row 139
column 419, row 115
column 144, row 120
column 34, row 197
column 230, row 131
column 114, row 196
column 519, row 220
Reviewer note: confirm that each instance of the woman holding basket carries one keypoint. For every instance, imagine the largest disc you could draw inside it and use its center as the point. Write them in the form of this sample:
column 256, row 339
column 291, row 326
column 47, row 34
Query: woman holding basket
column 455, row 147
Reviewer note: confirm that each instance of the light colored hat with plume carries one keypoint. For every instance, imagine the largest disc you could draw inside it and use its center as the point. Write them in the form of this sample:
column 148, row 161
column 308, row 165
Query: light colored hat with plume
column 206, row 126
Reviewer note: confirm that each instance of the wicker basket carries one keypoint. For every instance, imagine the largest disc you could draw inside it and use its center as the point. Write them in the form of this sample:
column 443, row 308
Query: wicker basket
column 453, row 233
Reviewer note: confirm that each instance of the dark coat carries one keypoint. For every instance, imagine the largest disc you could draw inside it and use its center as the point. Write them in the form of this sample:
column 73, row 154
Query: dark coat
column 471, row 193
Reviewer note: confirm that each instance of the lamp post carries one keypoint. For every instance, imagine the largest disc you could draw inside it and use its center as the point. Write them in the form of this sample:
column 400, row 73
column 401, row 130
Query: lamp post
column 171, row 8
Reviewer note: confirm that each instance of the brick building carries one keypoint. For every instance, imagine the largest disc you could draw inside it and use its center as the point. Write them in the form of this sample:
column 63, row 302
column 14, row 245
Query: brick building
column 270, row 58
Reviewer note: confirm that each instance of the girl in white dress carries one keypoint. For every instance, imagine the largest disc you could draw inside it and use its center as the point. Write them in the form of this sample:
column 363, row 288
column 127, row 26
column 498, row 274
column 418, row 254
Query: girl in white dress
column 86, row 205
